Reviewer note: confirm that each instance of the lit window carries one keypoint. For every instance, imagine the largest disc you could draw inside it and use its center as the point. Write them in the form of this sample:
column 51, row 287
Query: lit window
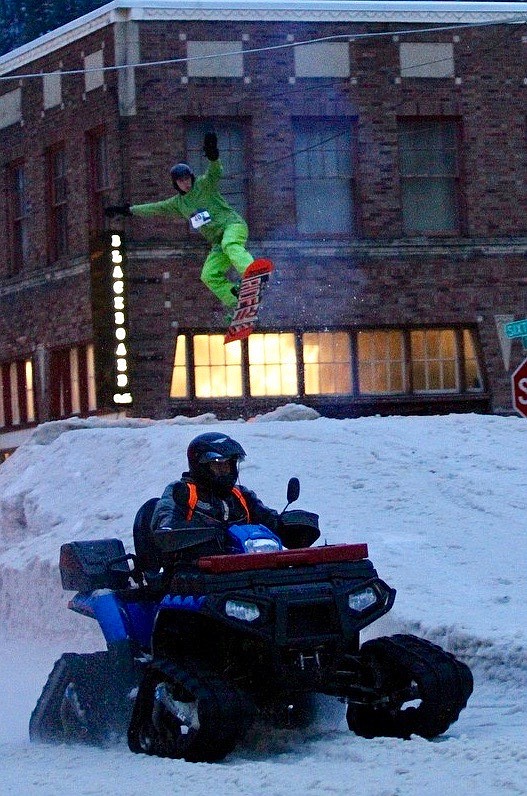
column 272, row 364
column 473, row 378
column 381, row 361
column 74, row 381
column 434, row 360
column 327, row 363
column 13, row 384
column 30, row 394
column 90, row 372
column 179, row 387
column 217, row 367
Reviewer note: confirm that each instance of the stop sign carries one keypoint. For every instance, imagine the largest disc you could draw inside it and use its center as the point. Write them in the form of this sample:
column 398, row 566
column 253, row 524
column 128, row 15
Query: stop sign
column 519, row 388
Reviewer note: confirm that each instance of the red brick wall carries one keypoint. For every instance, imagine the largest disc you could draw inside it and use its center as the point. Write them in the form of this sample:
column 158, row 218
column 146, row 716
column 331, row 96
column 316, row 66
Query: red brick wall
column 382, row 279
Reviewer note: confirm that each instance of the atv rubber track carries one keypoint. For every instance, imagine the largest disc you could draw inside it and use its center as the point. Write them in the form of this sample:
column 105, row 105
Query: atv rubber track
column 225, row 714
column 444, row 685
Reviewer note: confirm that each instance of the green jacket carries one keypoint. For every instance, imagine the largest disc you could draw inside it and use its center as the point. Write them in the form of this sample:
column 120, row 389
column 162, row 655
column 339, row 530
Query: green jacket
column 203, row 195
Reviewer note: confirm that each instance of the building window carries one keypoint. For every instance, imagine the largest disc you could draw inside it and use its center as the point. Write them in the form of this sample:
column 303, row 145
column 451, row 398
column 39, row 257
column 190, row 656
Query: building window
column 231, row 143
column 434, row 360
column 57, row 204
column 345, row 362
column 472, row 370
column 217, row 367
column 179, row 384
column 324, row 177
column 327, row 363
column 98, row 178
column 17, row 405
column 72, row 381
column 17, row 216
column 429, row 170
column 272, row 364
column 381, row 363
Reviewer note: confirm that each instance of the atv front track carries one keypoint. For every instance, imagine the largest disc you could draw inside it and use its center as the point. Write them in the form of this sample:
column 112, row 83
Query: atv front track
column 416, row 688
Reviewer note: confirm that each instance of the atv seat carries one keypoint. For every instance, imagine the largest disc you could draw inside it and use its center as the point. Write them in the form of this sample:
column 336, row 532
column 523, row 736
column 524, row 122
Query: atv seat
column 144, row 542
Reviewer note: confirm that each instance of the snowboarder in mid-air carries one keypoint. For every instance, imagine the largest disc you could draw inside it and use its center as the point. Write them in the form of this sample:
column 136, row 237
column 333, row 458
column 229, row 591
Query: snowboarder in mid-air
column 199, row 201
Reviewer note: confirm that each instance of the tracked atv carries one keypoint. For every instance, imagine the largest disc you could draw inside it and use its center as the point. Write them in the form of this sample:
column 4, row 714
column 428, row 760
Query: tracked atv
column 195, row 650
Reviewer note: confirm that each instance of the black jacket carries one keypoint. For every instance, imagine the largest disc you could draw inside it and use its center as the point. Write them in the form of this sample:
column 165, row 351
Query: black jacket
column 173, row 507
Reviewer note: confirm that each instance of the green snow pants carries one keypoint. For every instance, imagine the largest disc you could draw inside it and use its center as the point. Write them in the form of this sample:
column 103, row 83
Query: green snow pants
column 230, row 252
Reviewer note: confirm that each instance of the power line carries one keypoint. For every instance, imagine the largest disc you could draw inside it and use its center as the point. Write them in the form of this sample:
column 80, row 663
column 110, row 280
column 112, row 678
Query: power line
column 351, row 37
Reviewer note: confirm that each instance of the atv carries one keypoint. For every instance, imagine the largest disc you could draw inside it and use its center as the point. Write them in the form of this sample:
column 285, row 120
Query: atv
column 198, row 646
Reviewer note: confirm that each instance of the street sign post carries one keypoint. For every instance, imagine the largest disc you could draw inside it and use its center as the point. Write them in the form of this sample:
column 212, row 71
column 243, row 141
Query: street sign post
column 519, row 388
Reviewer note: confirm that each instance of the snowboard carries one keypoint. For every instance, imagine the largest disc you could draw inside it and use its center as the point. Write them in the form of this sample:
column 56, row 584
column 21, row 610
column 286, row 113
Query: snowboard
column 246, row 312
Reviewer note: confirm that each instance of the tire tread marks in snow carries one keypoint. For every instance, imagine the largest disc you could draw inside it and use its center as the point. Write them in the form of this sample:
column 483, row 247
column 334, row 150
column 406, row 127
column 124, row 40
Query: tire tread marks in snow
column 444, row 685
column 224, row 715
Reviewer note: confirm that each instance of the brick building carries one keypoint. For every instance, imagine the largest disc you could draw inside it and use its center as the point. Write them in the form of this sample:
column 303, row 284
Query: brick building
column 378, row 151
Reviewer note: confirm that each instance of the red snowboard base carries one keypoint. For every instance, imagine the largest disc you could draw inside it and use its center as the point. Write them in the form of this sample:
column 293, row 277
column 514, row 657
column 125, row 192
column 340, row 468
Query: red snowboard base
column 252, row 285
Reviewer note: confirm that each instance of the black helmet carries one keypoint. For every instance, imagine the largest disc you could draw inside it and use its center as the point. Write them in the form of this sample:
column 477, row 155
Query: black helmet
column 178, row 172
column 214, row 447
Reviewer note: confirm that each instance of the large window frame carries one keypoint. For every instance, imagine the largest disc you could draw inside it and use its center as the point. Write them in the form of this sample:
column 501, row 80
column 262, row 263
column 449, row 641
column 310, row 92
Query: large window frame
column 72, row 381
column 98, row 172
column 17, row 393
column 430, row 175
column 57, row 202
column 339, row 363
column 325, row 176
column 232, row 143
column 17, row 216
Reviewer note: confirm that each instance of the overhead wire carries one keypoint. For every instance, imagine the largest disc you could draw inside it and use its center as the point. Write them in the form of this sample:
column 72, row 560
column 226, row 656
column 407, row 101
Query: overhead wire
column 351, row 37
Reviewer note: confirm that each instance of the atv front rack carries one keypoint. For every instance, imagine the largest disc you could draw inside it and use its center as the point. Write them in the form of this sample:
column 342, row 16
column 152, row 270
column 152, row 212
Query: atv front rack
column 284, row 559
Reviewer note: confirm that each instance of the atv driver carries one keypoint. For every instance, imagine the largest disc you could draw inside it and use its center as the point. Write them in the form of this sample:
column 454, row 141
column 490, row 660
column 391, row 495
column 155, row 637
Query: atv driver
column 207, row 496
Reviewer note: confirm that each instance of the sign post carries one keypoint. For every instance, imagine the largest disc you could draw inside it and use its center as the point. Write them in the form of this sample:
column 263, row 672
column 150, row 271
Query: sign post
column 519, row 389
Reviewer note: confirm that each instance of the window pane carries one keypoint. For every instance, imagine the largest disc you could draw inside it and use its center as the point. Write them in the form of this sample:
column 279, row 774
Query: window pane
column 178, row 387
column 428, row 160
column 323, row 177
column 327, row 363
column 434, row 360
column 473, row 378
column 90, row 367
column 217, row 367
column 231, row 146
column 381, row 362
column 272, row 364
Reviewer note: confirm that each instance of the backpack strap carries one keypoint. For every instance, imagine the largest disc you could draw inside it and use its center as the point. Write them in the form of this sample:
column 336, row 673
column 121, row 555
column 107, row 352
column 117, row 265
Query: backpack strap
column 193, row 499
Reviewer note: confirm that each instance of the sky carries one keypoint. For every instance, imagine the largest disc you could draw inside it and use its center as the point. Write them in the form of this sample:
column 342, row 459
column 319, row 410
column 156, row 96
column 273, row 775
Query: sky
column 441, row 503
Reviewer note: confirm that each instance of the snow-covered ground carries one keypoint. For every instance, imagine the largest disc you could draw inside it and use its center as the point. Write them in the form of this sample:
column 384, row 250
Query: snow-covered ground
column 442, row 504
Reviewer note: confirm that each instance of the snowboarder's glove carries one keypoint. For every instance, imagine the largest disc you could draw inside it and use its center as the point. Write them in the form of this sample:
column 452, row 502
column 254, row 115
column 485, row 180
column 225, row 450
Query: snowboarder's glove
column 117, row 210
column 210, row 146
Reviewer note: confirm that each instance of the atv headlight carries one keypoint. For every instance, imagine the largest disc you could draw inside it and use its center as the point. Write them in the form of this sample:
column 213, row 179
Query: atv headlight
column 262, row 545
column 238, row 609
column 361, row 600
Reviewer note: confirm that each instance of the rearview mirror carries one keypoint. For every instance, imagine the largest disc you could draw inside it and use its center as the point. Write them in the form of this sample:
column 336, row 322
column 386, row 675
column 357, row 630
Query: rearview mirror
column 293, row 490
